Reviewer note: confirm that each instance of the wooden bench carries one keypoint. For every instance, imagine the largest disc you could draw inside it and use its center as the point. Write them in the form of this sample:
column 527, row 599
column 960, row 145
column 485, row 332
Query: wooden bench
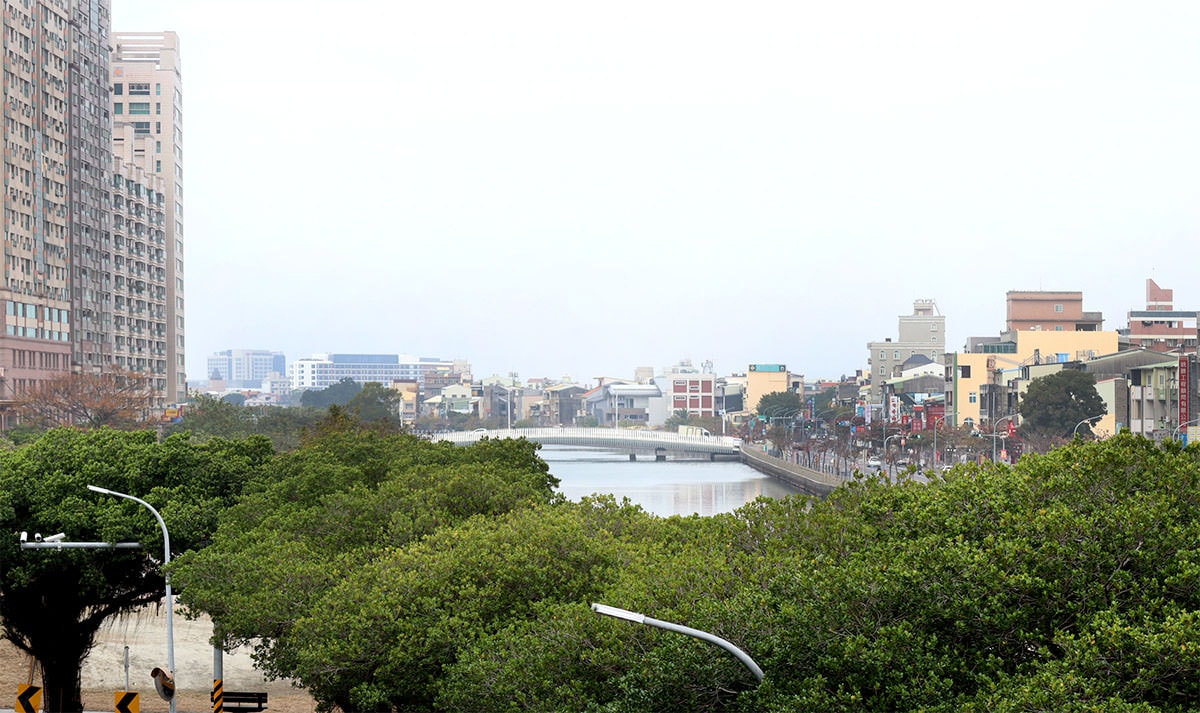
column 243, row 701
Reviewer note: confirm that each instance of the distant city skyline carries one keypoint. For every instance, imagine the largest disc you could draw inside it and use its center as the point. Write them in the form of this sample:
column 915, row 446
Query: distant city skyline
column 566, row 190
column 700, row 364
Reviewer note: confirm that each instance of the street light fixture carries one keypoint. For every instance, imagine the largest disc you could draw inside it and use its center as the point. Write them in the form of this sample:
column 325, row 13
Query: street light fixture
column 940, row 419
column 167, row 578
column 891, row 468
column 994, row 429
column 1075, row 431
column 1180, row 427
column 679, row 628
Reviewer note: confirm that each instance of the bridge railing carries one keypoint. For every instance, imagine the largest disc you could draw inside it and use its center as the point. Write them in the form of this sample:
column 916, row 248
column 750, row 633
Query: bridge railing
column 602, row 437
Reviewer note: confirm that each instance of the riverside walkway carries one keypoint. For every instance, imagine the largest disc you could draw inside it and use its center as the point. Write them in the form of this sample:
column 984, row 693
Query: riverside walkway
column 807, row 480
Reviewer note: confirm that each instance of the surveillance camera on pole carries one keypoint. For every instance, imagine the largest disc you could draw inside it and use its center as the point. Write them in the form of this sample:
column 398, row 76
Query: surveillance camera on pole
column 58, row 537
column 24, row 536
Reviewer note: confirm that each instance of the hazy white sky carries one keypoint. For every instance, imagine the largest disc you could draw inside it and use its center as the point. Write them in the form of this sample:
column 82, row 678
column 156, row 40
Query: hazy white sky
column 559, row 188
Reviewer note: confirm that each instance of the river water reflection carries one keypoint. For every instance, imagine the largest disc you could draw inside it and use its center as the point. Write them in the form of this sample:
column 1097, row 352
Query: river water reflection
column 673, row 487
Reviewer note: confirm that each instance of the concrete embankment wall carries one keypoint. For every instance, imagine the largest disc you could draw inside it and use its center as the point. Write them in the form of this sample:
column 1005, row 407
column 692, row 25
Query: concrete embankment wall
column 807, row 480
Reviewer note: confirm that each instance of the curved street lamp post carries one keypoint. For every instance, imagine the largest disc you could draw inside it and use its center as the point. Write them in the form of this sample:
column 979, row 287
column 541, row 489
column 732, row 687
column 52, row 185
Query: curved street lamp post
column 1075, row 431
column 1181, row 427
column 995, row 428
column 166, row 577
column 679, row 628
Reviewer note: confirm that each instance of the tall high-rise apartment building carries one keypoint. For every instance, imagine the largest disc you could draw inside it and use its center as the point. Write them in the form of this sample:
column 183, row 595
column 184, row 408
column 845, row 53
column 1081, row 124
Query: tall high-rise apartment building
column 147, row 94
column 138, row 264
column 56, row 133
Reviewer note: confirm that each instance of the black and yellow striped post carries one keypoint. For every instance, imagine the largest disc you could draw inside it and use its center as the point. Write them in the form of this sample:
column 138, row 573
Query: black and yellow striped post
column 217, row 696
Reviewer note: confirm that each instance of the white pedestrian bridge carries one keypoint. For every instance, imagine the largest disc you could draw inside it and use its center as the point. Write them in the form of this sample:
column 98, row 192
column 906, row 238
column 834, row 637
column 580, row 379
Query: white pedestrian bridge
column 633, row 441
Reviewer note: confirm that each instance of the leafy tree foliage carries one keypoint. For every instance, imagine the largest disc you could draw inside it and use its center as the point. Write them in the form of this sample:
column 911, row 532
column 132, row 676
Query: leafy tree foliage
column 52, row 602
column 338, row 394
column 376, row 403
column 341, row 503
column 776, row 403
column 387, row 573
column 114, row 398
column 1055, row 404
column 208, row 417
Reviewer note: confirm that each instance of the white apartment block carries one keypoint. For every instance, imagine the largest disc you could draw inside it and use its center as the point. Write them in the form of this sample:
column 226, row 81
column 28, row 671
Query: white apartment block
column 147, row 93
column 324, row 370
column 138, row 272
column 246, row 368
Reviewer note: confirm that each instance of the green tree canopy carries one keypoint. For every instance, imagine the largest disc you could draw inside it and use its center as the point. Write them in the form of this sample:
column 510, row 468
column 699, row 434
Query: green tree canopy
column 376, row 403
column 52, row 602
column 780, row 403
column 1054, row 405
column 338, row 394
column 342, row 501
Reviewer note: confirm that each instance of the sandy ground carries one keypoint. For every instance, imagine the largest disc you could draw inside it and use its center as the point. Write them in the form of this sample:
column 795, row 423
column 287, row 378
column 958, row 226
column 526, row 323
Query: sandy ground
column 146, row 636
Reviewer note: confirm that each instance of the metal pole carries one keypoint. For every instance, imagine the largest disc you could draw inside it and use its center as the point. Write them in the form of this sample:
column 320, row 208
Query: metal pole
column 1075, row 431
column 166, row 577
column 679, row 628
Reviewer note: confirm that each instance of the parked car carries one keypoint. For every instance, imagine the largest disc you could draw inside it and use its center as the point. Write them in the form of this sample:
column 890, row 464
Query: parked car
column 874, row 462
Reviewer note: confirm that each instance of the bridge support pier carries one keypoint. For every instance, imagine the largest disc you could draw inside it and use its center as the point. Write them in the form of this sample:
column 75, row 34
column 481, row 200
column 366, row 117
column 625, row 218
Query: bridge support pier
column 632, row 457
column 660, row 455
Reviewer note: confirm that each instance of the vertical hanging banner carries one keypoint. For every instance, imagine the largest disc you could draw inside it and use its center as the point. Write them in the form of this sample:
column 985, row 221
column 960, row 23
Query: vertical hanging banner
column 1184, row 382
column 29, row 699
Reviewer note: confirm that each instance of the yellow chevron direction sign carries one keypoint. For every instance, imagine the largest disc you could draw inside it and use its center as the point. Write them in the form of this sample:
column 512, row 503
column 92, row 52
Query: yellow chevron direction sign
column 29, row 698
column 126, row 702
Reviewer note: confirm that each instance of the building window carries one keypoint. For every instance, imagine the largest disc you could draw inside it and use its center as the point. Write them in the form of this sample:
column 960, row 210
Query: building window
column 896, row 354
column 118, row 89
column 964, row 371
column 1058, row 308
column 118, row 108
column 141, row 127
column 139, row 107
column 139, row 89
column 972, row 398
column 157, row 89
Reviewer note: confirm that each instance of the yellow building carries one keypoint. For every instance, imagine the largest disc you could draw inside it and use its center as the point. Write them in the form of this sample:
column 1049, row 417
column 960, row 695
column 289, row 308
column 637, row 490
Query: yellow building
column 1006, row 365
column 763, row 379
column 967, row 373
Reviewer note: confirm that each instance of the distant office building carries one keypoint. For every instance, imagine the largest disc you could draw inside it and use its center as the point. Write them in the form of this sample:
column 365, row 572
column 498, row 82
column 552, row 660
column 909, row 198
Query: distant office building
column 246, row 368
column 147, row 94
column 921, row 333
column 1161, row 327
column 324, row 370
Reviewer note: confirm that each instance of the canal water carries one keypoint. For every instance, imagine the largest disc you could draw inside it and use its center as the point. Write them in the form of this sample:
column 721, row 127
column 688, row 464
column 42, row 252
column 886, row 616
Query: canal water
column 672, row 487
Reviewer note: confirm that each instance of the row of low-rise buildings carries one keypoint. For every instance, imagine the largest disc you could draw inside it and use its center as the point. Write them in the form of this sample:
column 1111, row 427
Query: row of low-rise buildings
column 93, row 221
column 1145, row 373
